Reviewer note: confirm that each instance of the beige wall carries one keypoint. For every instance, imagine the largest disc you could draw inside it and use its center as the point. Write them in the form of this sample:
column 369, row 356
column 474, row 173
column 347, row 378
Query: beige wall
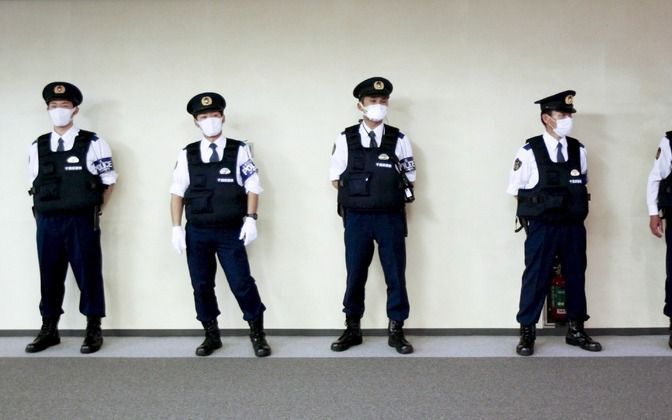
column 465, row 75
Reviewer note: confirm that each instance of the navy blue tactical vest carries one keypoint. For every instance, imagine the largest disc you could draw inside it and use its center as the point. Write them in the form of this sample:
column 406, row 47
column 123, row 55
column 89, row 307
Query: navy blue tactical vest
column 214, row 198
column 64, row 184
column 561, row 194
column 665, row 186
column 372, row 180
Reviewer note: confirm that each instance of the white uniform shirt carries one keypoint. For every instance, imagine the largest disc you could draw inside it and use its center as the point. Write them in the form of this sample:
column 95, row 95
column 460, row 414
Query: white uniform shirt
column 525, row 174
column 98, row 158
column 339, row 157
column 246, row 173
column 661, row 169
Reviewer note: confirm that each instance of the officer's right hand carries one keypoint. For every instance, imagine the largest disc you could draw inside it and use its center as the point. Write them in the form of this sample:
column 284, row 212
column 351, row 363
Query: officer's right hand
column 178, row 240
column 656, row 225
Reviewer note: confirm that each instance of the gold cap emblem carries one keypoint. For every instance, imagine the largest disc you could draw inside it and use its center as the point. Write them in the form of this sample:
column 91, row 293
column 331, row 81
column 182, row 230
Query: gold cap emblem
column 569, row 99
column 206, row 100
column 378, row 85
column 59, row 89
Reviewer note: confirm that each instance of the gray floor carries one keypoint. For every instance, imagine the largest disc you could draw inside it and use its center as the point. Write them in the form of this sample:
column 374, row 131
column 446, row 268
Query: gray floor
column 318, row 347
column 348, row 388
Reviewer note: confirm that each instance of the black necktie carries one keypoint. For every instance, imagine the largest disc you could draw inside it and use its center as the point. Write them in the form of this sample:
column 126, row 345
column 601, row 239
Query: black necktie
column 60, row 147
column 560, row 157
column 372, row 136
column 214, row 157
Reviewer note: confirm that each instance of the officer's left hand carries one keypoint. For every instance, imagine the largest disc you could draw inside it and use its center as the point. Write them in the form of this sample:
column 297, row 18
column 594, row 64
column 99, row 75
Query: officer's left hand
column 248, row 232
column 656, row 225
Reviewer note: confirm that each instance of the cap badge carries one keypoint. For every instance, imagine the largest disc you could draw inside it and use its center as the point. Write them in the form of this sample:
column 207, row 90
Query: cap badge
column 59, row 89
column 378, row 85
column 574, row 172
column 206, row 100
column 569, row 99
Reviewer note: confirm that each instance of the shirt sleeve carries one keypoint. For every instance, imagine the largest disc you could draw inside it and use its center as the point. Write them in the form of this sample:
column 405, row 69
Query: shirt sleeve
column 339, row 158
column 661, row 169
column 247, row 174
column 33, row 165
column 180, row 175
column 521, row 171
column 405, row 154
column 99, row 161
column 583, row 154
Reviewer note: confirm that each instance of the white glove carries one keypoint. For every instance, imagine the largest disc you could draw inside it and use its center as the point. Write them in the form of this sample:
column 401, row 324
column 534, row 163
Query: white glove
column 179, row 241
column 248, row 232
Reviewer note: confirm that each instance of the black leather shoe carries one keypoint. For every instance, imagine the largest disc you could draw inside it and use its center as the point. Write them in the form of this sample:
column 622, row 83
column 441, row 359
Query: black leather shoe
column 47, row 337
column 352, row 336
column 258, row 338
column 93, row 340
column 396, row 338
column 525, row 347
column 576, row 336
column 212, row 340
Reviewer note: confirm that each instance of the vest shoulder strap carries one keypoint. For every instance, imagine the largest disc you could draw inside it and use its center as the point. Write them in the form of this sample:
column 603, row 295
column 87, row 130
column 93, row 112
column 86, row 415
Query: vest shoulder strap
column 43, row 145
column 231, row 149
column 194, row 153
column 352, row 137
column 573, row 150
column 390, row 138
column 83, row 140
column 539, row 150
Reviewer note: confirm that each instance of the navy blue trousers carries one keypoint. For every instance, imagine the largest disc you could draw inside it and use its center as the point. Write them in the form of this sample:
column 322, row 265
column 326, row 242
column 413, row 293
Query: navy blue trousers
column 203, row 244
column 545, row 241
column 667, row 310
column 388, row 229
column 73, row 239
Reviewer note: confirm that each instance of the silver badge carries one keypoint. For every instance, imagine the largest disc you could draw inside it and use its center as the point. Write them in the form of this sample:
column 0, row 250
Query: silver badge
column 383, row 156
column 574, row 172
column 73, row 159
column 225, row 171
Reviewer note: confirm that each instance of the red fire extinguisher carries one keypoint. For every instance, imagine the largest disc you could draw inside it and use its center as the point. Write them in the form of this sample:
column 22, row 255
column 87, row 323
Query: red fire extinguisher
column 557, row 309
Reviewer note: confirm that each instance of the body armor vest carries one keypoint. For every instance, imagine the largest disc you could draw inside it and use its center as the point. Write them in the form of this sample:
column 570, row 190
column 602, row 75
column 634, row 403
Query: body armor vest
column 561, row 194
column 64, row 183
column 372, row 180
column 214, row 198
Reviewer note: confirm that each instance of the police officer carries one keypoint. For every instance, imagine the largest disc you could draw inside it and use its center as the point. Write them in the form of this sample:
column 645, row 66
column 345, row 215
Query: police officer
column 216, row 182
column 372, row 167
column 659, row 201
column 549, row 178
column 72, row 176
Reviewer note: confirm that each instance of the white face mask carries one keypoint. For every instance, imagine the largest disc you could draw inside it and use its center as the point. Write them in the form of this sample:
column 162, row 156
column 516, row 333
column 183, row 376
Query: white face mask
column 211, row 126
column 564, row 126
column 375, row 112
column 61, row 116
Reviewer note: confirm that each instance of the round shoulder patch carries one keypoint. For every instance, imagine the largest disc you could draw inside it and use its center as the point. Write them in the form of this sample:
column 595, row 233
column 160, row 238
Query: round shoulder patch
column 658, row 153
column 516, row 164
